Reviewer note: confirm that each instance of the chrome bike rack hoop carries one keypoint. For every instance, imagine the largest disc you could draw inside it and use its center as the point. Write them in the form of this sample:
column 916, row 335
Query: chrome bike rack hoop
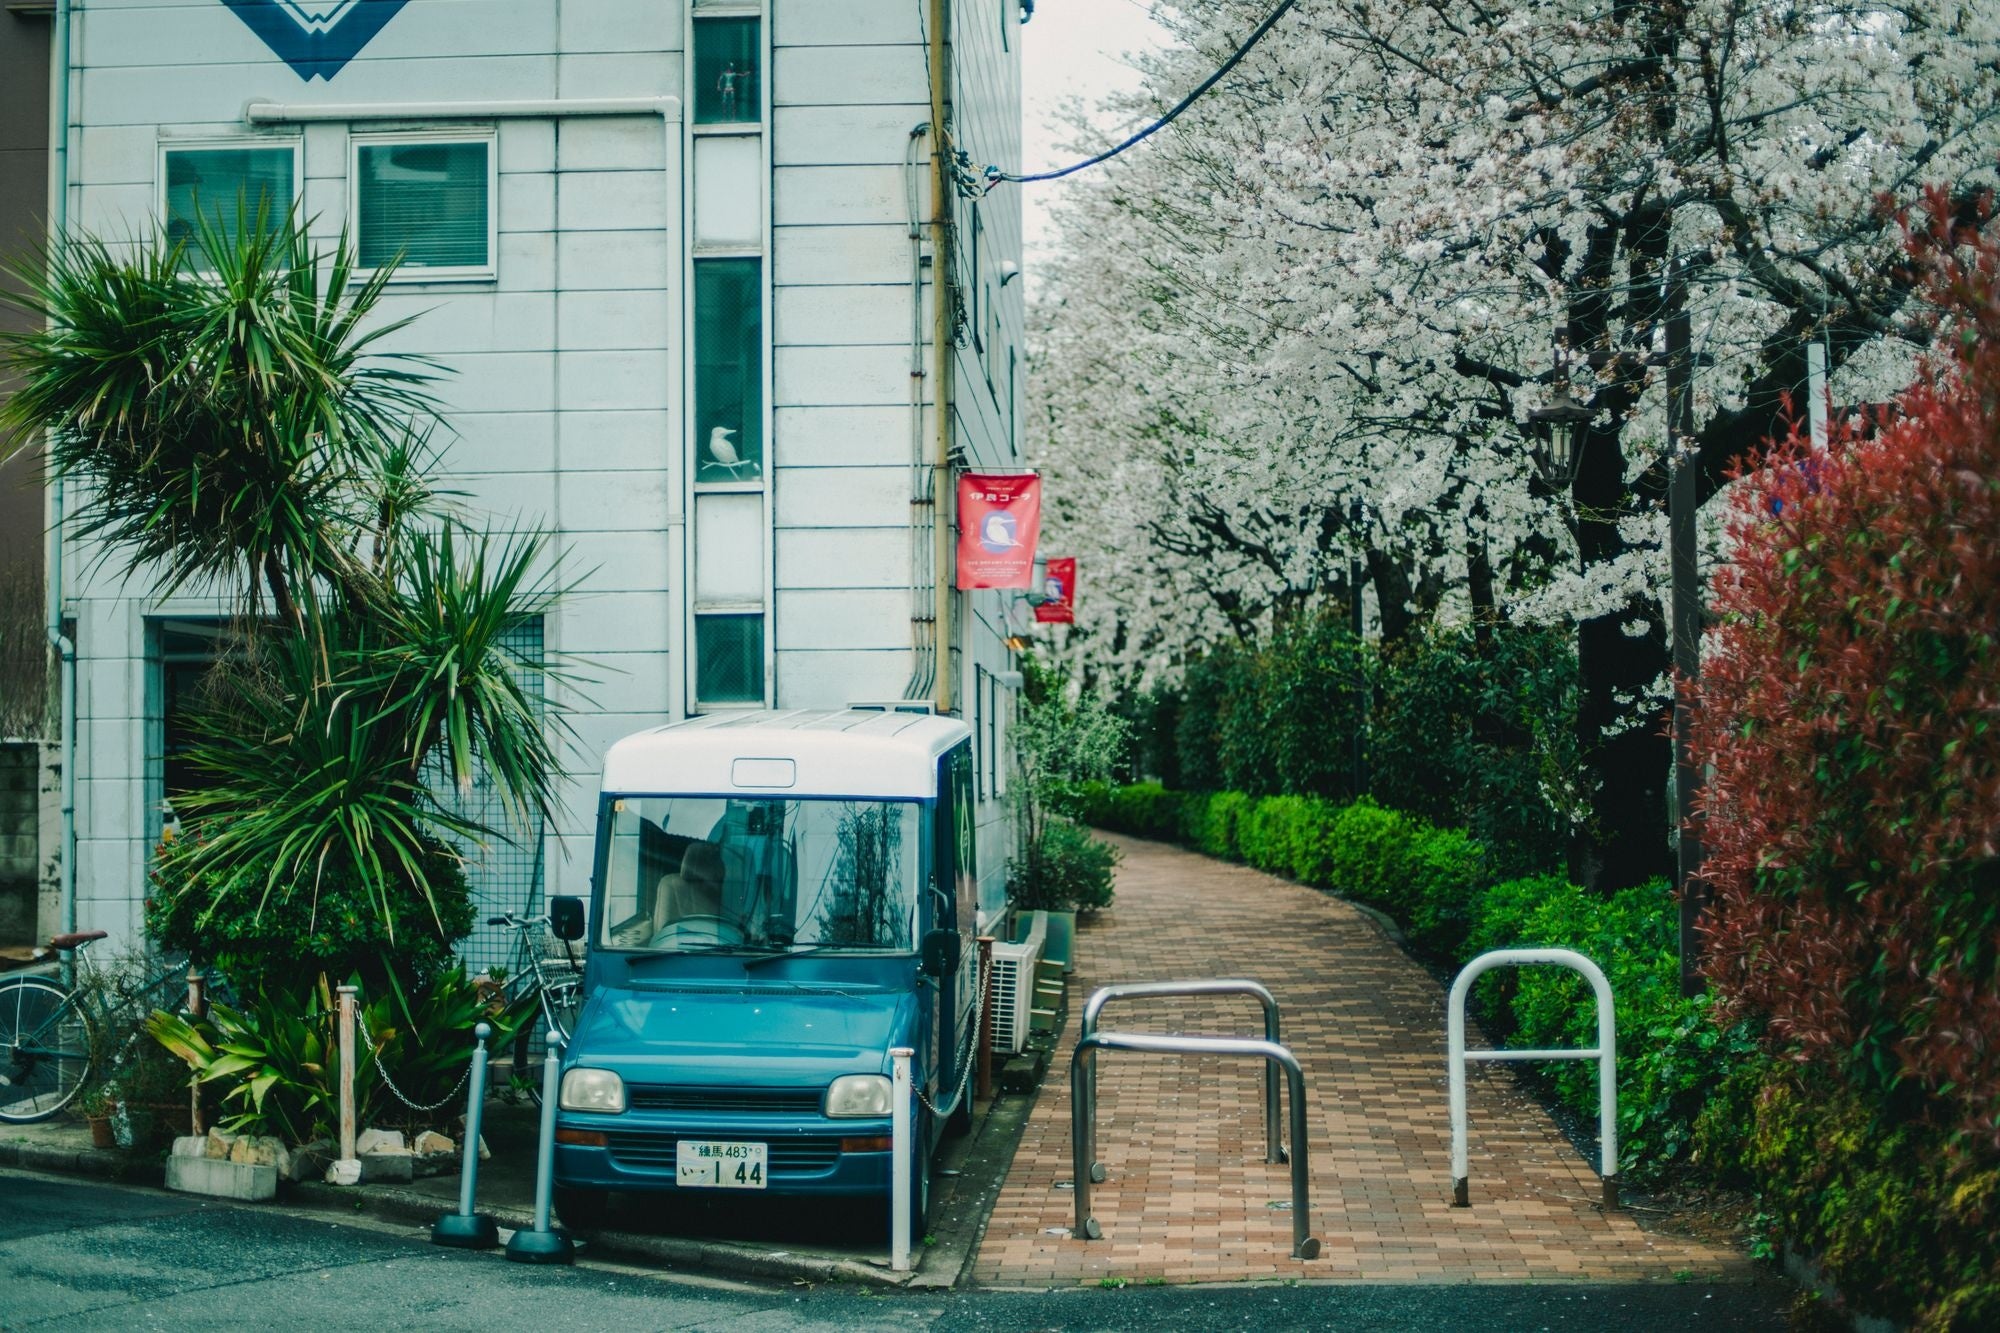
column 1083, row 1071
column 1605, row 1053
column 1274, row 1148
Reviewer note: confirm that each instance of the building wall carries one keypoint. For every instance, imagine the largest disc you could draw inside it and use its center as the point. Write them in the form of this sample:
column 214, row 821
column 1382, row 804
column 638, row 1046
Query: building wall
column 565, row 400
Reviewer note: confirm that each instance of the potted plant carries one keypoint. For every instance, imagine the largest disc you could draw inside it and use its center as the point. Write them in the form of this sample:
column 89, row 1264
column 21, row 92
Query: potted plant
column 97, row 1106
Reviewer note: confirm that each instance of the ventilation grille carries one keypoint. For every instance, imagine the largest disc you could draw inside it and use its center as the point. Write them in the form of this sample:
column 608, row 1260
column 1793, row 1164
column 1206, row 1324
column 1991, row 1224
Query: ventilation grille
column 806, row 1156
column 729, row 1101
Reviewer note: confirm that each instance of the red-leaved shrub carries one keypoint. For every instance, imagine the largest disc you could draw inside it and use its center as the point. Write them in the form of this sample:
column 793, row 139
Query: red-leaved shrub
column 1850, row 708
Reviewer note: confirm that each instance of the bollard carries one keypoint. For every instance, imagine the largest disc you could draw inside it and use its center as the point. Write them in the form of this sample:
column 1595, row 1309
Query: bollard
column 900, row 1149
column 197, row 1007
column 346, row 1171
column 465, row 1229
column 986, row 1018
column 544, row 1244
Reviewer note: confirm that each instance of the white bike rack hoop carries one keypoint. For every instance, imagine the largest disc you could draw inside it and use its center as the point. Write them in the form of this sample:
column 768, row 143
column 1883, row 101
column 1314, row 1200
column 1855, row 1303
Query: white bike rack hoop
column 1605, row 1053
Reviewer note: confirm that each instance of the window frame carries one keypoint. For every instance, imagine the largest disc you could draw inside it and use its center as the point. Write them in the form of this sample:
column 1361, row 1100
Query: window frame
column 699, row 612
column 291, row 143
column 408, row 274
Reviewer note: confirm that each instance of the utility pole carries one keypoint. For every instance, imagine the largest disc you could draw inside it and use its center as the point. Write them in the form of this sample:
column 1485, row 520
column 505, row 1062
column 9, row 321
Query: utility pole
column 1684, row 617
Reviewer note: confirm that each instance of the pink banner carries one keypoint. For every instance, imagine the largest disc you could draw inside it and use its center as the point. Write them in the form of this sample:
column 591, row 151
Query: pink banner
column 999, row 521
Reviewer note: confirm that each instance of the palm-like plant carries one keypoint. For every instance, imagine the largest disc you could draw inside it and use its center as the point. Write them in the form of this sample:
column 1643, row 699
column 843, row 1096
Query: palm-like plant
column 237, row 428
column 229, row 411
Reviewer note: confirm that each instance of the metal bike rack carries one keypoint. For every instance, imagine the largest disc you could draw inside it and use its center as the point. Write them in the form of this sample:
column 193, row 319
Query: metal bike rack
column 1605, row 1053
column 1274, row 1148
column 1083, row 1069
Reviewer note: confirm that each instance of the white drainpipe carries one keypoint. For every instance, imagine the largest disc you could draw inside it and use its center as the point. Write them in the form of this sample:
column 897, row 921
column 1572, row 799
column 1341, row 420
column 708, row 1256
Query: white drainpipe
column 65, row 648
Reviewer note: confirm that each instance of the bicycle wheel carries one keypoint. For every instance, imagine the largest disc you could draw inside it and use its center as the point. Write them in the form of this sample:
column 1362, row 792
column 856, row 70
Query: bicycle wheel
column 46, row 1044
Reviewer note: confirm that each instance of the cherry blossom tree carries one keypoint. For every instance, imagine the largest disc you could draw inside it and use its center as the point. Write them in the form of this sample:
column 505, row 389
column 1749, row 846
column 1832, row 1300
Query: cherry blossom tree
column 1307, row 328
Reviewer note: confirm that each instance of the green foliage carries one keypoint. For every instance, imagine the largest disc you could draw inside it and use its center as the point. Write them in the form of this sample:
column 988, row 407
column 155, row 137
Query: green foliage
column 1476, row 734
column 313, row 926
column 1064, row 870
column 226, row 417
column 1482, row 737
column 1901, row 1219
column 1144, row 809
column 273, row 1062
column 276, row 1059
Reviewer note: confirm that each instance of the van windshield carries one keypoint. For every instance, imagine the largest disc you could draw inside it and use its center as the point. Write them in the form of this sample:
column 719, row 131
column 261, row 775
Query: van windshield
column 707, row 874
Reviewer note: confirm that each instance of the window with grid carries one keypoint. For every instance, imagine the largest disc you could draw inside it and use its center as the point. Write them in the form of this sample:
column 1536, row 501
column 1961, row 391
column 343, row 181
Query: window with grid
column 729, row 369
column 428, row 201
column 729, row 659
column 728, row 75
column 226, row 189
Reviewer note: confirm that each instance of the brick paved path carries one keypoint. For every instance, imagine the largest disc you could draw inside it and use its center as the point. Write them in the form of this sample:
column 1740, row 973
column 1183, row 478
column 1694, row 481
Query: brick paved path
column 1189, row 1195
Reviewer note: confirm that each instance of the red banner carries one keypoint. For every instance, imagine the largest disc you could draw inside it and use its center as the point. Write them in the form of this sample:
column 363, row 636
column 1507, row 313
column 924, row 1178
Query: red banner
column 1058, row 605
column 999, row 521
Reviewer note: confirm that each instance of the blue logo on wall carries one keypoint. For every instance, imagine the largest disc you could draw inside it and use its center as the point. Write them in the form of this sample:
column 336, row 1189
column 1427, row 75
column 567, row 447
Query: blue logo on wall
column 316, row 37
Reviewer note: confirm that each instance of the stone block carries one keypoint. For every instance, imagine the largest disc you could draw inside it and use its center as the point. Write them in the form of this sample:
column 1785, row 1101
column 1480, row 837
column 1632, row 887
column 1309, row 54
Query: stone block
column 374, row 1142
column 259, row 1150
column 220, row 1144
column 343, row 1171
column 191, row 1145
column 309, row 1161
column 221, row 1179
column 384, row 1168
column 430, row 1141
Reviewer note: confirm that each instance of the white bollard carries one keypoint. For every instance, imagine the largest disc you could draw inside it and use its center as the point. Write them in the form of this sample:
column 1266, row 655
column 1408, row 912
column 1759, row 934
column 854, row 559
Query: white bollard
column 346, row 1171
column 901, row 1153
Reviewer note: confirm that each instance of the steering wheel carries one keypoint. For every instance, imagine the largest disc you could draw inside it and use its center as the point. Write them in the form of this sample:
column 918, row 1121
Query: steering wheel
column 700, row 930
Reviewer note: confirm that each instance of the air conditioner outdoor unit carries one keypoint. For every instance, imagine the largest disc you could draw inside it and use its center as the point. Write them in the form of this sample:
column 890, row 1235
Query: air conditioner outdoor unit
column 1013, row 990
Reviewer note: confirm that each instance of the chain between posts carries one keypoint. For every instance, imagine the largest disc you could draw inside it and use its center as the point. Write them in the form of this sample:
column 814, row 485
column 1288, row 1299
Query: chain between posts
column 971, row 1049
column 382, row 1069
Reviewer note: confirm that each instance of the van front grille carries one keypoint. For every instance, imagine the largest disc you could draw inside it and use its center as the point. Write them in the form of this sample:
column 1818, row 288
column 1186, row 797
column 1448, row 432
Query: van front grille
column 803, row 1156
column 727, row 1101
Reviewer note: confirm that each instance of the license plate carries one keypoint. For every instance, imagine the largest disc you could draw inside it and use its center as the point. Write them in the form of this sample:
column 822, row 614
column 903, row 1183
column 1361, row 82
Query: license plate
column 712, row 1165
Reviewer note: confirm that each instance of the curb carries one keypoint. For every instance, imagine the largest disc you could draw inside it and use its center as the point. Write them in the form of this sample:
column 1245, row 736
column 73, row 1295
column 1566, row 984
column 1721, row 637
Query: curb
column 665, row 1251
column 98, row 1162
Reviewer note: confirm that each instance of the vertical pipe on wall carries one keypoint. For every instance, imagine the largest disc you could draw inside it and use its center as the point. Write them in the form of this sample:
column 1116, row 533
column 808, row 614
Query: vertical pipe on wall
column 941, row 325
column 65, row 647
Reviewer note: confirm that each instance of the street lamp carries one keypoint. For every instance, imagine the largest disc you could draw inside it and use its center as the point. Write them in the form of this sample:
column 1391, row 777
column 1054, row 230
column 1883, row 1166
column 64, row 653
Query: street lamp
column 1563, row 421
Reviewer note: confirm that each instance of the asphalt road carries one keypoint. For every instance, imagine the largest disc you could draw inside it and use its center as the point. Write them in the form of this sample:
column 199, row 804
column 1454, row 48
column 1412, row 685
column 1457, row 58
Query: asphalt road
column 82, row 1255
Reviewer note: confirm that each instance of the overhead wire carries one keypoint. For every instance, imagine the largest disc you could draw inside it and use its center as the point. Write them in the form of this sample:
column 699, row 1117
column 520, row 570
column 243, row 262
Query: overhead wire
column 995, row 176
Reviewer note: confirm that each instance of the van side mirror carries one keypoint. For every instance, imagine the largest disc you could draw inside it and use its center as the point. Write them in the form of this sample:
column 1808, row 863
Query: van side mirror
column 566, row 917
column 940, row 953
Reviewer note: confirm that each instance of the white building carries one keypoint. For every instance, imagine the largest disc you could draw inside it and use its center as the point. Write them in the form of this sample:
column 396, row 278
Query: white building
column 628, row 224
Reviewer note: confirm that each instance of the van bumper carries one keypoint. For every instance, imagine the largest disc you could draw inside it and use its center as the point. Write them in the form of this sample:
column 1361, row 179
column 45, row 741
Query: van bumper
column 800, row 1160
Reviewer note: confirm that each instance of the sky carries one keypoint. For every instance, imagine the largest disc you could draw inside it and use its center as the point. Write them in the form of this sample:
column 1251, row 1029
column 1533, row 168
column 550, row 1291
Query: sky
column 1072, row 48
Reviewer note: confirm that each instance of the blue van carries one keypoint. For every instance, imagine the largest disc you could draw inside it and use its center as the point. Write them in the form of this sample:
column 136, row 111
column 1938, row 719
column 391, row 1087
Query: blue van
column 779, row 898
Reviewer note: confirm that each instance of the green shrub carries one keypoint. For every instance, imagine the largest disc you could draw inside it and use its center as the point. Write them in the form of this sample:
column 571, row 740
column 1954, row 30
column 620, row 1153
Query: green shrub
column 1065, row 869
column 1143, row 809
column 303, row 929
column 1215, row 833
column 1901, row 1219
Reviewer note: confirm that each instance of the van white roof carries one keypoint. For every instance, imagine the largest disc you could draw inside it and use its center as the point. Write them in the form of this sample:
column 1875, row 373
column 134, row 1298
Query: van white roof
column 849, row 752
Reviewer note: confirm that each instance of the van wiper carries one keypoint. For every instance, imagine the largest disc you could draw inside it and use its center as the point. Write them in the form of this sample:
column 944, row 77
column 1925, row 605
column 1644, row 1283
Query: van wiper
column 790, row 951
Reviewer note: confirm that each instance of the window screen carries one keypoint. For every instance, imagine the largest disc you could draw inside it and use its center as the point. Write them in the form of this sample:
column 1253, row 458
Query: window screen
column 729, row 659
column 427, row 202
column 727, row 87
column 225, row 186
column 729, row 369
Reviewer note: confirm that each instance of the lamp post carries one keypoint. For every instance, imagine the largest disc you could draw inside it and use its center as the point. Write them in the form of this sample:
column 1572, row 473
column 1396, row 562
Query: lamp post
column 1566, row 420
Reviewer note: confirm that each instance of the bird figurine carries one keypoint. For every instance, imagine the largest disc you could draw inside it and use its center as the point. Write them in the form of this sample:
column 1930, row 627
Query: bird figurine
column 724, row 453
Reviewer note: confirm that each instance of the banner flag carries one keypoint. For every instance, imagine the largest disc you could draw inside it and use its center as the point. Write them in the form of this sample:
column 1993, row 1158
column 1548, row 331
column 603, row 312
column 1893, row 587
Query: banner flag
column 1059, row 592
column 999, row 521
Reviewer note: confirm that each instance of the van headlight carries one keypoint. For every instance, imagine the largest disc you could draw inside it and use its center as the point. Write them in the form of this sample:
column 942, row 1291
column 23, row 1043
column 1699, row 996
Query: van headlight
column 858, row 1095
column 593, row 1090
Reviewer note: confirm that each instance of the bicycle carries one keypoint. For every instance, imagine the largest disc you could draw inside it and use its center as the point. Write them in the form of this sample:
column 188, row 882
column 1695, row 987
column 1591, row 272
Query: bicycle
column 51, row 1032
column 554, row 985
